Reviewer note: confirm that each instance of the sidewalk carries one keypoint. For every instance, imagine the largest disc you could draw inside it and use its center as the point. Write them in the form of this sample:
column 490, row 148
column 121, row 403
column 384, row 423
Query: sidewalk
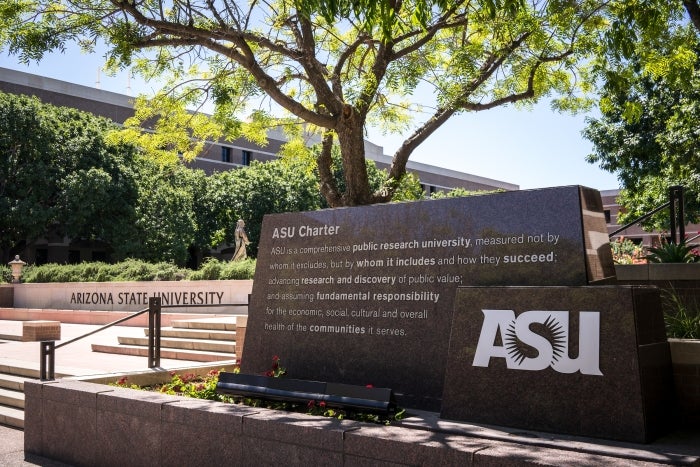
column 681, row 447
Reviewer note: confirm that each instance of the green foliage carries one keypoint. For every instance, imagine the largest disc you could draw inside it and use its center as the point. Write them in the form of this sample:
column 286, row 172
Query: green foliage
column 670, row 252
column 190, row 385
column 649, row 73
column 681, row 315
column 135, row 270
column 59, row 175
column 5, row 273
column 334, row 67
column 461, row 192
column 625, row 251
column 262, row 188
column 213, row 269
column 129, row 270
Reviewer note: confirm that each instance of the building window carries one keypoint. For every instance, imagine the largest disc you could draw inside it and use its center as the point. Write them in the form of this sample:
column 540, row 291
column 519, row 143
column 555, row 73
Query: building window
column 607, row 216
column 245, row 157
column 225, row 154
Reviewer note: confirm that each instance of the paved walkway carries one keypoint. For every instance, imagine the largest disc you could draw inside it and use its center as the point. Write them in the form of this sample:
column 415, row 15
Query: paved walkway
column 681, row 447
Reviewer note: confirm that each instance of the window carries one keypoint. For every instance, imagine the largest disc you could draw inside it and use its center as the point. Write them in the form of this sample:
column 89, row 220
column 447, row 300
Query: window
column 245, row 157
column 607, row 216
column 225, row 154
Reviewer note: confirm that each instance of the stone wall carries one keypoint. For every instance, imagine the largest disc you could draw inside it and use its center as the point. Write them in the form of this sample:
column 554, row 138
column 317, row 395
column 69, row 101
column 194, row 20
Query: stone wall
column 187, row 296
column 6, row 296
column 87, row 424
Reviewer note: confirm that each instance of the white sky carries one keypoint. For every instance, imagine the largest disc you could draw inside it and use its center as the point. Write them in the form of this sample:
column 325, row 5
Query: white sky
column 532, row 149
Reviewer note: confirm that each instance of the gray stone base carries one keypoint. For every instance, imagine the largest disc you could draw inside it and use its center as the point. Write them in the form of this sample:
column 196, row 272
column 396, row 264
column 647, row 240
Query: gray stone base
column 87, row 424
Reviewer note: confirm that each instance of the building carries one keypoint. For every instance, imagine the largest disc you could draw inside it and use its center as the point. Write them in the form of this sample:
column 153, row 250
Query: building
column 218, row 155
column 635, row 233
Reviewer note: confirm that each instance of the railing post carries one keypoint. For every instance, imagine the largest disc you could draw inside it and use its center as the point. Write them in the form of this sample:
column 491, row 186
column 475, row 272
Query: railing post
column 675, row 195
column 48, row 359
column 154, row 332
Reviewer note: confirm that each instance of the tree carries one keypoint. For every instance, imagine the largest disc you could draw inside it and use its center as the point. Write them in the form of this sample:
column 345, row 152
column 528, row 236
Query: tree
column 263, row 188
column 277, row 63
column 59, row 175
column 649, row 104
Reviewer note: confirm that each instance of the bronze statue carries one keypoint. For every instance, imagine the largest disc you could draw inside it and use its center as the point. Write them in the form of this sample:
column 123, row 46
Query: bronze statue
column 241, row 239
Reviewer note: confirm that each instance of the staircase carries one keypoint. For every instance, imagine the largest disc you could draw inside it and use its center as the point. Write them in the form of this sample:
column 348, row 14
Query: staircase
column 195, row 340
column 198, row 340
column 12, row 397
column 12, row 380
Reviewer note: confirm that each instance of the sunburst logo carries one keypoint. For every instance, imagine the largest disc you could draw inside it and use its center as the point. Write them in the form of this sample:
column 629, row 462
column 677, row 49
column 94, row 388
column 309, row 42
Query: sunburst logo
column 535, row 340
column 553, row 332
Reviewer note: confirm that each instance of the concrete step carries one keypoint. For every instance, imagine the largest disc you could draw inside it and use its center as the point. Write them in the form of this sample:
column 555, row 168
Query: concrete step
column 183, row 344
column 174, row 354
column 11, row 416
column 12, row 382
column 28, row 370
column 215, row 324
column 188, row 333
column 12, row 398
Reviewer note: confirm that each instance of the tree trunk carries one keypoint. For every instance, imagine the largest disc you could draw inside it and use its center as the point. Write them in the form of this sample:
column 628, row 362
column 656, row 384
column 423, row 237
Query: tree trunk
column 350, row 132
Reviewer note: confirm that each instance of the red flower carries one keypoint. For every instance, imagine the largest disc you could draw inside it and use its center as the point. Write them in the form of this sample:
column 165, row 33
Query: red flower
column 322, row 404
column 269, row 373
column 311, row 404
column 122, row 381
column 275, row 359
column 369, row 386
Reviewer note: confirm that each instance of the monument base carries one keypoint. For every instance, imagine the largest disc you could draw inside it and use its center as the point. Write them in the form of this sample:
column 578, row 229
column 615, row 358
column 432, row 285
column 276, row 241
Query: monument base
column 588, row 361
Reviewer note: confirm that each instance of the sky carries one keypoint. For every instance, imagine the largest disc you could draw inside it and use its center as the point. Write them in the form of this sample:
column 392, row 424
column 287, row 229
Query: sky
column 533, row 149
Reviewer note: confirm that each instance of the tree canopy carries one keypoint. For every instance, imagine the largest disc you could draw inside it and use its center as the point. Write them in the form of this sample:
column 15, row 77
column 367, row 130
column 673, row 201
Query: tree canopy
column 331, row 68
column 58, row 175
column 647, row 132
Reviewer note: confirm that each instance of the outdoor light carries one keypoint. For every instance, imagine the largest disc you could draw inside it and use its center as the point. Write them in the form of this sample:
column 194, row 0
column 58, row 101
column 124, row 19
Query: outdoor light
column 16, row 265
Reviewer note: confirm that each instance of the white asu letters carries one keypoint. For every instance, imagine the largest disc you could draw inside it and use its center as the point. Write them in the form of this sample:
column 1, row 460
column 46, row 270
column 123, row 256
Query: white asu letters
column 551, row 344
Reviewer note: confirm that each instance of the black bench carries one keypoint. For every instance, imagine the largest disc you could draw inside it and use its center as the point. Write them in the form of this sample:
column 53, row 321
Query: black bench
column 337, row 395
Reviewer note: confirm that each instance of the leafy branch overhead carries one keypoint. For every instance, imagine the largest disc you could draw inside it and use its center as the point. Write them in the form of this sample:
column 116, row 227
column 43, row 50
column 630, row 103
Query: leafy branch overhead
column 335, row 67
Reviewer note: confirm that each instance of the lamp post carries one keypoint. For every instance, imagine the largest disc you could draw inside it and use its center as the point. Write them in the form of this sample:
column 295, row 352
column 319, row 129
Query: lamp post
column 16, row 265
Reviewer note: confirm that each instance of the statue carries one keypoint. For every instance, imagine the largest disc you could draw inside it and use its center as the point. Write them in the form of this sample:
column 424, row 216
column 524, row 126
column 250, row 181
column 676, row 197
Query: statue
column 241, row 239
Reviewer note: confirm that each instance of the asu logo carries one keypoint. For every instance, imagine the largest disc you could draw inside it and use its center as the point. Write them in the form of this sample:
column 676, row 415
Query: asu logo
column 535, row 340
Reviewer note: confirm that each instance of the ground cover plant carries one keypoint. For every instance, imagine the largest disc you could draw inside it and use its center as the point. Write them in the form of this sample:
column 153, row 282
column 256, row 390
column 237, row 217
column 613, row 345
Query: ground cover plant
column 204, row 387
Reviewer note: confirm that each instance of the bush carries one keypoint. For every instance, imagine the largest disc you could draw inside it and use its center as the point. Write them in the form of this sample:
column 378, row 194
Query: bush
column 132, row 270
column 673, row 253
column 214, row 269
column 625, row 251
column 681, row 315
column 5, row 274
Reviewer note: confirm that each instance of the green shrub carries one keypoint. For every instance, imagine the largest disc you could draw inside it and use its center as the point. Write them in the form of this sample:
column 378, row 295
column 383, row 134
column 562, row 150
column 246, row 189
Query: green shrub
column 133, row 270
column 681, row 315
column 214, row 269
column 625, row 251
column 5, row 274
column 672, row 253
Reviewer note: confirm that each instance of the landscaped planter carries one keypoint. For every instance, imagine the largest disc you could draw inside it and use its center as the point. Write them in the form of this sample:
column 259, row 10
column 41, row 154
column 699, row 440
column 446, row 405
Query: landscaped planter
column 685, row 356
column 658, row 272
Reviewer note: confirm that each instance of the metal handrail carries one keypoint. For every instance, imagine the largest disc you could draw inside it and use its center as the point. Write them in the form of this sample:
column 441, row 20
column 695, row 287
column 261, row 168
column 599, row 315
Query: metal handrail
column 676, row 204
column 106, row 326
column 640, row 219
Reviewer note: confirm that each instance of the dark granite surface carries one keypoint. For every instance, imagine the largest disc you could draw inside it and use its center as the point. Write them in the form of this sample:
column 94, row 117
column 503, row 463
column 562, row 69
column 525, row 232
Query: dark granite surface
column 365, row 295
column 504, row 369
